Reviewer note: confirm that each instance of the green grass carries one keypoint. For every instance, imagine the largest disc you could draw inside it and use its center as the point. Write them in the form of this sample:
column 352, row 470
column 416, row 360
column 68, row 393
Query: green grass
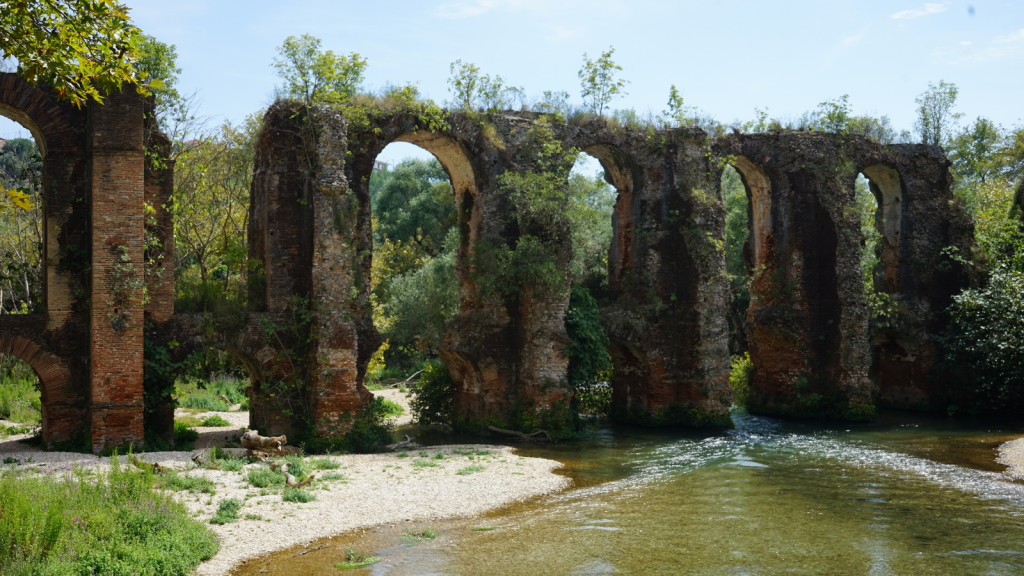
column 354, row 559
column 253, row 517
column 482, row 528
column 119, row 526
column 419, row 535
column 6, row 431
column 265, row 478
column 227, row 511
column 471, row 469
column 325, row 464
column 206, row 394
column 19, row 392
column 297, row 495
column 214, row 421
column 403, row 454
column 422, row 463
column 438, row 456
column 171, row 480
column 332, row 476
column 184, row 436
column 390, row 409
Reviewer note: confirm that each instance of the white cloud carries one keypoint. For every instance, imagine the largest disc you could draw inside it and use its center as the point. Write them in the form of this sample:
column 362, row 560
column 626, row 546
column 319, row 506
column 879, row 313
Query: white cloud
column 926, row 10
column 1014, row 37
column 460, row 10
column 966, row 43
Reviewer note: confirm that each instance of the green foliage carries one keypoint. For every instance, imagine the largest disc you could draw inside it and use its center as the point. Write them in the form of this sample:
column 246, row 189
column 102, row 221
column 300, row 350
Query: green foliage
column 390, row 409
column 325, row 464
column 471, row 469
column 215, row 421
column 432, row 396
column 67, row 524
column 172, row 480
column 19, row 391
column 598, row 83
column 419, row 535
column 985, row 346
column 297, row 495
column 935, row 118
column 184, row 436
column 414, row 204
column 312, row 75
column 227, row 511
column 265, row 478
column 591, row 203
column 202, row 394
column 354, row 559
column 678, row 114
column 590, row 366
column 21, row 227
column 741, row 374
column 471, row 90
column 82, row 48
column 734, row 196
column 834, row 115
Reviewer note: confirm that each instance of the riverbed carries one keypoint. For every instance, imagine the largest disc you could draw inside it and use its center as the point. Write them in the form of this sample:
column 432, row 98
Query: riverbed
column 904, row 495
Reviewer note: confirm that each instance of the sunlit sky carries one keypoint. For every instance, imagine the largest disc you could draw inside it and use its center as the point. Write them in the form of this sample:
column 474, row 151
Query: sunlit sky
column 727, row 58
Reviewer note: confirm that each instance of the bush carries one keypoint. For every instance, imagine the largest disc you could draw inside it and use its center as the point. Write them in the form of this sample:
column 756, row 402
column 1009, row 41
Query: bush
column 265, row 478
column 985, row 343
column 215, row 421
column 227, row 511
column 741, row 373
column 354, row 559
column 390, row 409
column 432, row 399
column 590, row 366
column 117, row 526
column 184, row 437
column 371, row 430
column 297, row 495
column 171, row 480
column 206, row 395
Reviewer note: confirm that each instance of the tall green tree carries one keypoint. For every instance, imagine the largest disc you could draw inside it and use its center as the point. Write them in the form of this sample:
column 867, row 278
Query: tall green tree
column 82, row 48
column 415, row 205
column 472, row 90
column 598, row 82
column 312, row 75
column 21, row 226
column 935, row 117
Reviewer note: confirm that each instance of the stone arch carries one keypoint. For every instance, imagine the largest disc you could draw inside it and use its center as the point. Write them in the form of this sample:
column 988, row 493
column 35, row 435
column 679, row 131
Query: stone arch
column 887, row 186
column 759, row 212
column 52, row 373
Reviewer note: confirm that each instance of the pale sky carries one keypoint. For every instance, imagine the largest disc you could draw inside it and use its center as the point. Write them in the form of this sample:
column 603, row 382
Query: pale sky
column 727, row 58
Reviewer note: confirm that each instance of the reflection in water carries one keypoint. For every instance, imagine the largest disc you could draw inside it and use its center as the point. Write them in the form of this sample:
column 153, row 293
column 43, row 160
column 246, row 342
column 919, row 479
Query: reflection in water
column 766, row 498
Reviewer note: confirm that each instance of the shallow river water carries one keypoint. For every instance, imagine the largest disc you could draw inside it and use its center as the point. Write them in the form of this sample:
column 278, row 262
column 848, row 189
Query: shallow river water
column 906, row 495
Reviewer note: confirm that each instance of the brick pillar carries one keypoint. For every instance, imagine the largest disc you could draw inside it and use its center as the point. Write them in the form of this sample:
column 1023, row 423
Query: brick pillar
column 115, row 139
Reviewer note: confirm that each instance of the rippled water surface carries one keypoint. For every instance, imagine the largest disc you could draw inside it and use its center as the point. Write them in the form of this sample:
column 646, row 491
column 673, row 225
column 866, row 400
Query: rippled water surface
column 769, row 497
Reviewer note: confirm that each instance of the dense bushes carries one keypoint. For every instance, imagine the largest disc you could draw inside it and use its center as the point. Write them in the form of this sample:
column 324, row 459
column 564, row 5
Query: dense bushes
column 114, row 525
column 19, row 391
column 590, row 367
column 432, row 401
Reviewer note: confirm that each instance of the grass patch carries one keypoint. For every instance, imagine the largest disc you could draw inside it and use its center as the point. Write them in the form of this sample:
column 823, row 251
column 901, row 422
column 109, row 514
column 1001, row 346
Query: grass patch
column 325, row 464
column 419, row 535
column 265, row 478
column 403, row 454
column 253, row 517
column 206, row 394
column 390, row 408
column 215, row 421
column 423, row 463
column 438, row 456
column 6, row 431
column 117, row 526
column 355, row 559
column 171, row 480
column 297, row 495
column 332, row 476
column 227, row 511
column 471, row 469
column 482, row 528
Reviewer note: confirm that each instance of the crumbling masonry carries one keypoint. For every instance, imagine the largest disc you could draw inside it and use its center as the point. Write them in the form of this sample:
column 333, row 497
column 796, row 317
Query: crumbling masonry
column 309, row 321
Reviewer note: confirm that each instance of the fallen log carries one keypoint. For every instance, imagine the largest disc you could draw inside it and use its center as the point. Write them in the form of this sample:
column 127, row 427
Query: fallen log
column 291, row 481
column 407, row 444
column 531, row 437
column 253, row 441
column 145, row 466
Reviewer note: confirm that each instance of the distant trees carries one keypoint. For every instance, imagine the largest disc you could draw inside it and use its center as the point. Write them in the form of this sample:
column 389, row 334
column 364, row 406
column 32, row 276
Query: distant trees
column 21, row 227
column 472, row 90
column 935, row 116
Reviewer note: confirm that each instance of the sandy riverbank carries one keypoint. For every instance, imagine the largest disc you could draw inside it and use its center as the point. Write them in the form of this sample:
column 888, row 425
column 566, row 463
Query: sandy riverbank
column 1012, row 454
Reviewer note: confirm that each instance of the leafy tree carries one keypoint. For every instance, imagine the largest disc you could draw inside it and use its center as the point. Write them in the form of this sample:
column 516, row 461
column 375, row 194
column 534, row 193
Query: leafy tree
column 590, row 366
column 82, row 48
column 734, row 196
column 974, row 152
column 552, row 102
column 21, row 232
column 416, row 204
column 598, row 83
column 935, row 118
column 678, row 113
column 210, row 206
column 312, row 75
column 834, row 115
column 591, row 203
column 471, row 90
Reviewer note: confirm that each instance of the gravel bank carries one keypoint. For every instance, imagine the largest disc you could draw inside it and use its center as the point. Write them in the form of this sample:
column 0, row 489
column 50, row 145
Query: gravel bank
column 363, row 490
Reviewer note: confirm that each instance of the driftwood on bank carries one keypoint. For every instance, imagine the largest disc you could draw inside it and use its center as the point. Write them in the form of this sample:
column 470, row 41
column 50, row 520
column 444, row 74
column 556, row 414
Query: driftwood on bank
column 253, row 441
column 406, row 444
column 145, row 466
column 534, row 436
column 292, row 482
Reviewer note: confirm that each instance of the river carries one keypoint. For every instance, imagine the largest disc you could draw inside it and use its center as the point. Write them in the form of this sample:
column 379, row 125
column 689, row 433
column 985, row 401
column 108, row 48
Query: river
column 905, row 495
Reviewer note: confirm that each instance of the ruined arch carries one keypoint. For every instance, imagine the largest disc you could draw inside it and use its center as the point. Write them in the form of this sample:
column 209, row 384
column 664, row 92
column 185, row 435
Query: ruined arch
column 53, row 379
column 887, row 186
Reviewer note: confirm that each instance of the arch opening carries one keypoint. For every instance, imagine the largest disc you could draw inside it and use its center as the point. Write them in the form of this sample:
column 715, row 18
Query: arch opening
column 883, row 225
column 22, row 215
column 419, row 201
column 601, row 367
column 21, row 403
